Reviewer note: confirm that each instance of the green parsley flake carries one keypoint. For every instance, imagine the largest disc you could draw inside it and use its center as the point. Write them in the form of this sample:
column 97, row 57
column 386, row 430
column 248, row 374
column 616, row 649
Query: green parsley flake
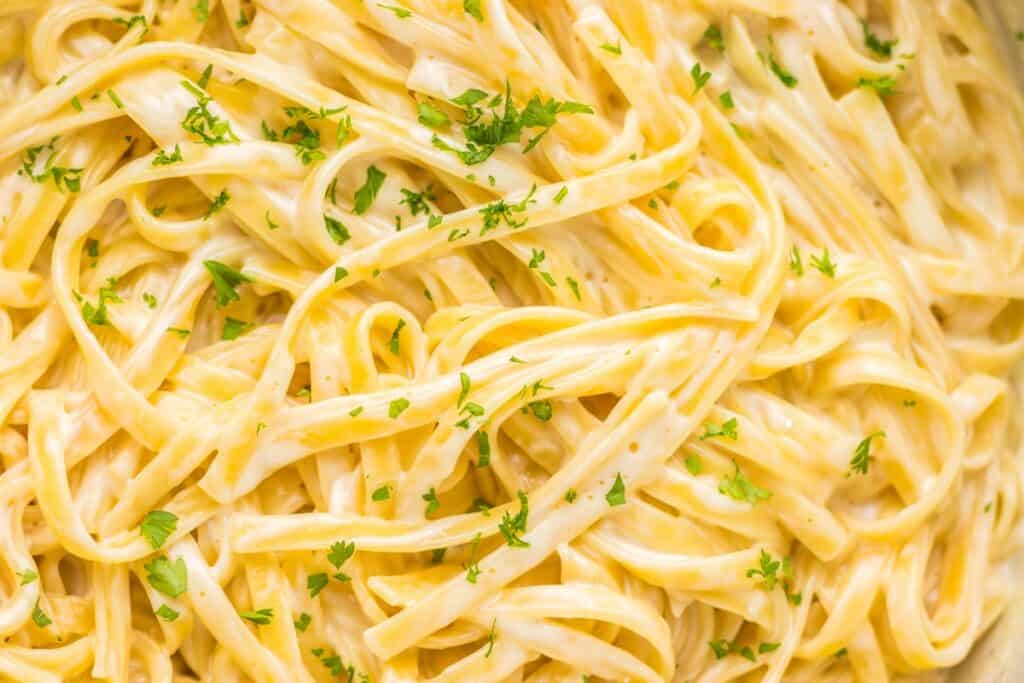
column 432, row 117
column 157, row 526
column 170, row 578
column 164, row 159
column 233, row 329
column 381, row 493
column 166, row 613
column 713, row 37
column 881, row 48
column 433, row 504
column 336, row 230
column 483, row 447
column 824, row 263
column 617, row 493
column 201, row 11
column 394, row 344
column 397, row 407
column 473, row 9
column 368, row 192
column 316, row 583
column 862, row 454
column 727, row 429
column 738, row 487
column 399, row 12
column 512, row 526
column 262, row 617
column 700, row 77
column 225, row 281
column 39, row 617
column 796, row 264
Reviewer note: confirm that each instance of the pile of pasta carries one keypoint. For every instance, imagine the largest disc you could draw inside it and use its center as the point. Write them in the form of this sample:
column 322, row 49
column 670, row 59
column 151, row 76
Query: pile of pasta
column 474, row 340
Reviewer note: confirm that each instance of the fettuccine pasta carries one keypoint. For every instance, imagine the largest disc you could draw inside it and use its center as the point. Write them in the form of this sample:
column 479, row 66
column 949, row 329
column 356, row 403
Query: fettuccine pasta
column 528, row 341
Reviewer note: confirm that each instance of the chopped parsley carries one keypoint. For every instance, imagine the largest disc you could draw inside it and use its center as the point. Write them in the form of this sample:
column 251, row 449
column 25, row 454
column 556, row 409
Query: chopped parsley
column 614, row 49
column 726, row 100
column 433, row 504
column 570, row 495
column 561, row 194
column 796, row 264
column 338, row 555
column 368, row 192
column 167, row 613
column 182, row 333
column 512, row 526
column 115, row 99
column 483, row 447
column 788, row 79
column 881, row 48
column 261, row 617
column 541, row 410
column 693, row 464
column 157, row 526
column 464, row 384
column 76, row 103
column 201, row 11
column 39, row 617
column 399, row 12
column 713, row 37
column 397, row 407
column 394, row 344
column 225, row 282
column 218, row 203
column 574, row 286
column 862, row 454
column 98, row 315
column 381, row 493
column 170, row 578
column 486, row 130
column 727, row 429
column 738, row 487
column 431, row 116
column 473, row 9
column 617, row 493
column 824, row 263
column 472, row 566
column 201, row 122
column 233, row 328
column 768, row 571
column 204, row 78
column 26, row 577
column 136, row 20
column 699, row 76
column 303, row 622
column 316, row 583
column 164, row 159
column 70, row 178
column 499, row 211
column 883, row 85
column 336, row 230
column 723, row 648
column 339, row 273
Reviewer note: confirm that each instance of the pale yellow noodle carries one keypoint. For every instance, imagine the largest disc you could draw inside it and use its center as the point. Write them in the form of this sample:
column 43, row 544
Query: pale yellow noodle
column 705, row 369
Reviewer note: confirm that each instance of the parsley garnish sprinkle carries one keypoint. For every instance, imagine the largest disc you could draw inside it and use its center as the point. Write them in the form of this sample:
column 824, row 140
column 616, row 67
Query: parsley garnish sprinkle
column 157, row 526
column 225, row 281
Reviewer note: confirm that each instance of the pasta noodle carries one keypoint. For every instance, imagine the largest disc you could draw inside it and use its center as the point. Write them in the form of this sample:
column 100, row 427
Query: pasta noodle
column 472, row 340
